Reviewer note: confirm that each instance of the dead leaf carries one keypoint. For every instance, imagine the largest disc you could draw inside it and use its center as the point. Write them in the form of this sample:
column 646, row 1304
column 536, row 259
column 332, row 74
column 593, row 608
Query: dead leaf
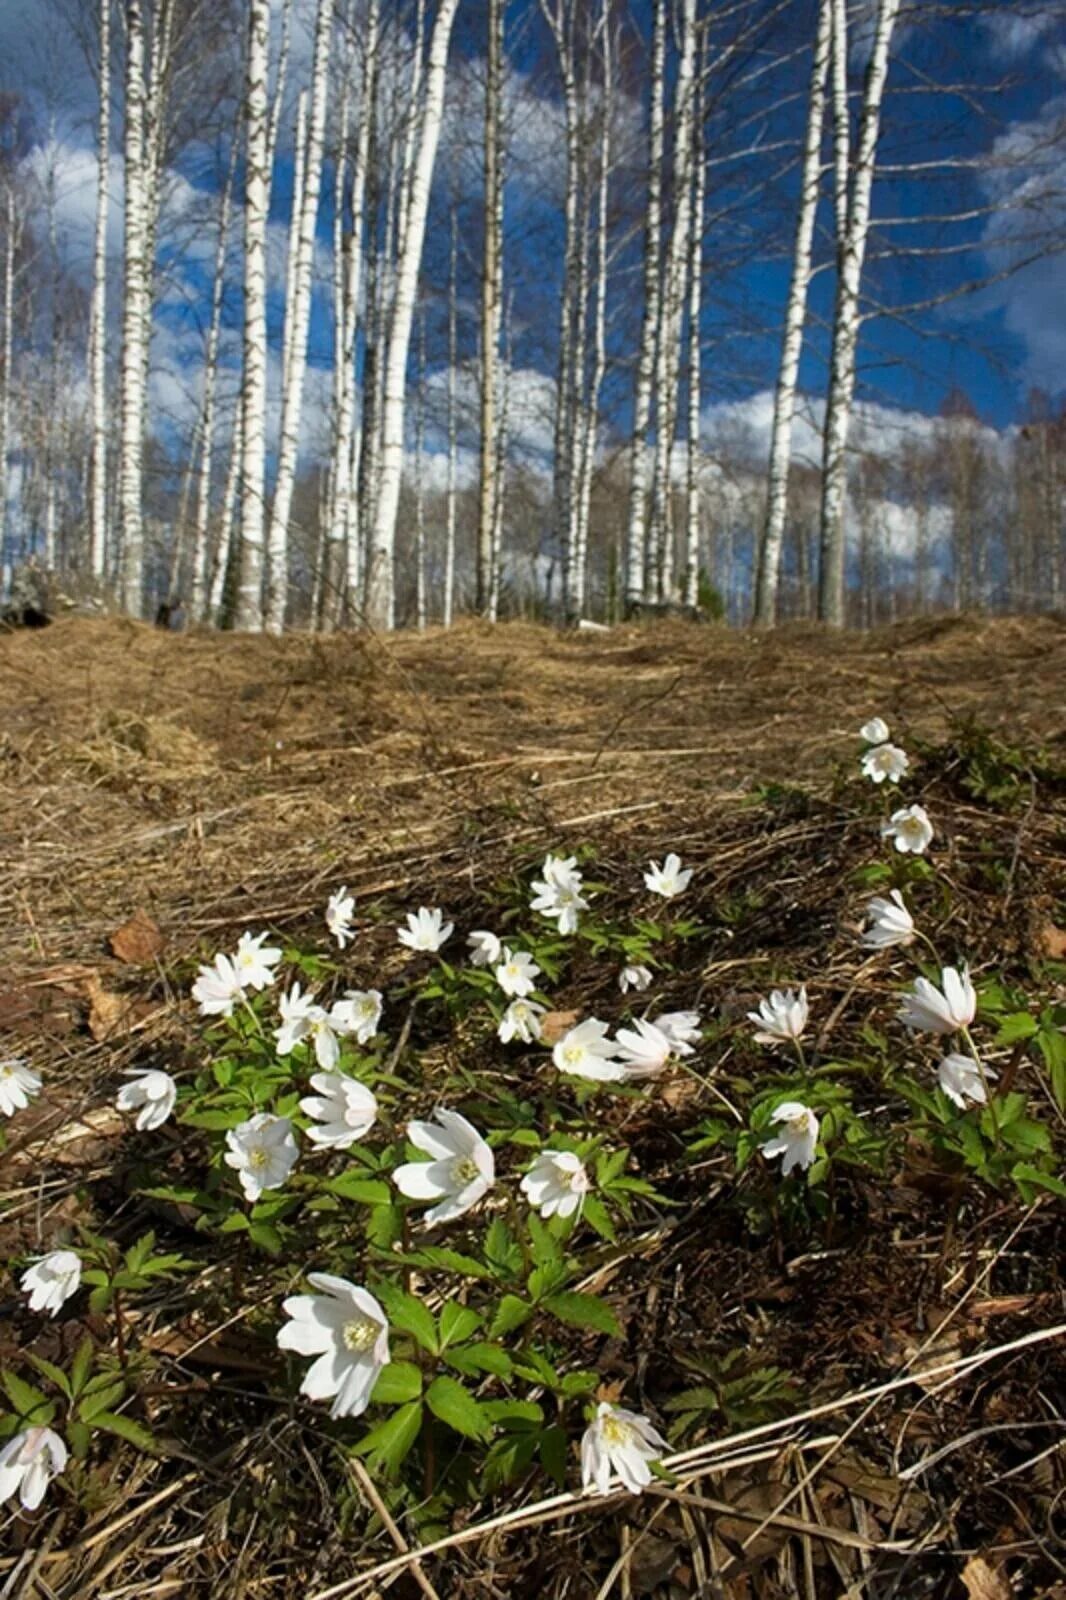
column 983, row 1582
column 1052, row 941
column 139, row 940
column 553, row 1024
column 112, row 1015
column 37, row 1009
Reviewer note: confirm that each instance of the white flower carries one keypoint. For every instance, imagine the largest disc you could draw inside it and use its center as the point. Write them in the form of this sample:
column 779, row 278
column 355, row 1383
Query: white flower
column 622, row 1442
column 303, row 1021
column 218, row 988
column 461, row 1172
column 875, row 731
column 28, row 1463
column 961, row 1080
column 18, row 1086
column 425, row 930
column 638, row 978
column 521, row 1020
column 670, row 879
column 358, row 1013
column 556, row 1183
column 890, row 922
column 586, row 1052
column 798, row 1136
column 943, row 1010
column 153, row 1091
column 347, row 1110
column 885, row 761
column 485, row 948
column 253, row 964
column 910, row 830
column 517, row 973
column 782, row 1017
column 557, row 893
column 346, row 1328
column 340, row 916
column 682, row 1028
column 263, row 1151
column 52, row 1280
column 643, row 1049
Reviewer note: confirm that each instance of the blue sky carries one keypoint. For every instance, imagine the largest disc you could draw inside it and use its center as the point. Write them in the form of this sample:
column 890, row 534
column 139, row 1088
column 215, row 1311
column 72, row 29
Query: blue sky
column 1007, row 63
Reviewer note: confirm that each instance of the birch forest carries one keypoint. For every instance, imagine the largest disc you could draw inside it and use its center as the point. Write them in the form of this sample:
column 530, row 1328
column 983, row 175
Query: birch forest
column 330, row 314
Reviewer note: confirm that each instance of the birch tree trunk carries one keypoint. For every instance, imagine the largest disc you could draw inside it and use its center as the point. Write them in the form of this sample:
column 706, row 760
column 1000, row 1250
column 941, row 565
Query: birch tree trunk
column 636, row 534
column 381, row 588
column 344, row 560
column 695, row 305
column 590, row 412
column 773, row 532
column 846, row 322
column 668, row 363
column 8, row 341
column 453, row 431
column 249, row 611
column 98, row 319
column 134, row 319
column 491, row 291
column 300, row 310
column 198, row 590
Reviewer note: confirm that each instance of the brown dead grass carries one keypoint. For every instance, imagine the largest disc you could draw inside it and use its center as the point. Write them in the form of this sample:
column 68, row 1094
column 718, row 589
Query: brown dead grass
column 216, row 780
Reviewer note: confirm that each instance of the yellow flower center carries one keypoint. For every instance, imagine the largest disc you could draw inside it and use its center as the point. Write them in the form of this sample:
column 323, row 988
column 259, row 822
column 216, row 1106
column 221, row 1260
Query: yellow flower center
column 615, row 1431
column 465, row 1170
column 573, row 1054
column 359, row 1335
column 257, row 1159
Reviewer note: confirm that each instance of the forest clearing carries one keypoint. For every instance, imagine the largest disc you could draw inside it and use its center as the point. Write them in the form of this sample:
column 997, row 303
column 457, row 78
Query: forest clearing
column 853, row 1370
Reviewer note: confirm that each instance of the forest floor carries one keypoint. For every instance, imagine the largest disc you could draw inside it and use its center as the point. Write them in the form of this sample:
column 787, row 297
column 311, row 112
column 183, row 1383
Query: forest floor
column 221, row 783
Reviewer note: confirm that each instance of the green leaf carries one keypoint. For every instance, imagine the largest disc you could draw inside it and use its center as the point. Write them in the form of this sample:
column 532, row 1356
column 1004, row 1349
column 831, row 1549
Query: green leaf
column 546, row 1249
column 584, row 1311
column 54, row 1374
column 472, row 1359
column 81, row 1365
column 507, row 1458
column 502, row 1250
column 1028, row 1177
column 511, row 1313
column 451, row 1260
column 457, row 1322
column 384, row 1226
column 397, row 1383
column 387, row 1445
column 79, row 1436
column 409, row 1315
column 25, row 1399
column 553, row 1450
column 266, row 1236
column 368, row 1191
column 598, row 1218
column 514, row 1415
column 456, row 1406
column 536, row 1368
column 125, row 1428
column 576, row 1383
column 96, row 1400
column 1020, row 1025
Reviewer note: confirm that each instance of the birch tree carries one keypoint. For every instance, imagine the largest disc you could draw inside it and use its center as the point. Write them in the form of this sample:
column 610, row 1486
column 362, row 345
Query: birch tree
column 773, row 532
column 249, row 612
column 695, row 304
column 198, row 596
column 636, row 533
column 299, row 310
column 381, row 586
column 491, row 293
column 135, row 320
column 98, row 321
column 846, row 321
column 7, row 344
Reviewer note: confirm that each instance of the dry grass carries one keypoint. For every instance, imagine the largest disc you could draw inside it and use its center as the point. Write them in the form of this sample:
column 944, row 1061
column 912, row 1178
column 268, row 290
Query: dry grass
column 224, row 782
